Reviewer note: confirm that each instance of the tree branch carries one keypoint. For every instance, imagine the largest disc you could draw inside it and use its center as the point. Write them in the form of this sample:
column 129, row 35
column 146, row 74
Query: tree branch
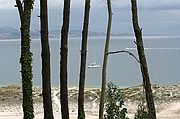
column 124, row 51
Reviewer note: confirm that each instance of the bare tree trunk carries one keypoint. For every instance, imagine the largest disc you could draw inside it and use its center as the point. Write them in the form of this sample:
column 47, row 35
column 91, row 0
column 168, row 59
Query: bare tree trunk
column 106, row 49
column 26, row 57
column 63, row 62
column 81, row 113
column 46, row 77
column 143, row 63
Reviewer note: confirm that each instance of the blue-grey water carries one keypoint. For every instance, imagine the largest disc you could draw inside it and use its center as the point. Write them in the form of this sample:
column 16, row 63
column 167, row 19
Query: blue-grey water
column 163, row 56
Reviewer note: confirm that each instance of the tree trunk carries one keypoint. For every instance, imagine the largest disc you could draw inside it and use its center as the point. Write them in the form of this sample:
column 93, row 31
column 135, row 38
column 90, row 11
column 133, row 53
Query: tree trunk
column 46, row 77
column 103, row 87
column 26, row 57
column 63, row 62
column 81, row 113
column 143, row 63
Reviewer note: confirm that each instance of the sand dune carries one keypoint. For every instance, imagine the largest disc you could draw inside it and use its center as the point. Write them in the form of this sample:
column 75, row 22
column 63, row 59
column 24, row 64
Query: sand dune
column 167, row 101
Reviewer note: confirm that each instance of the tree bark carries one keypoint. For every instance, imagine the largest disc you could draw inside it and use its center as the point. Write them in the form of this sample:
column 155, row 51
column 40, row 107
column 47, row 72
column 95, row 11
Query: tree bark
column 81, row 113
column 103, row 87
column 143, row 62
column 26, row 57
column 63, row 62
column 46, row 77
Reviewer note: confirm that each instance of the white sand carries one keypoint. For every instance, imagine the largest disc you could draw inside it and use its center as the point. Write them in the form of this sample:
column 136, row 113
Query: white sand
column 167, row 106
column 10, row 115
column 6, row 115
column 172, row 111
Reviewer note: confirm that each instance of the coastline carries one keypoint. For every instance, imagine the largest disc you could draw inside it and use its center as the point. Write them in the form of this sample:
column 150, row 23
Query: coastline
column 167, row 101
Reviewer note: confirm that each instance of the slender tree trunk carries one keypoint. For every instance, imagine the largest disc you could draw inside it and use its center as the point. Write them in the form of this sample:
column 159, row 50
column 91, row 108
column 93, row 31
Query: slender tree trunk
column 26, row 57
column 103, row 87
column 81, row 113
column 143, row 63
column 46, row 77
column 63, row 62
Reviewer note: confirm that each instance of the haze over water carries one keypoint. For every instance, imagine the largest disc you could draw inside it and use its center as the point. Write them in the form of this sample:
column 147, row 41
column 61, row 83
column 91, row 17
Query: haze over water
column 163, row 55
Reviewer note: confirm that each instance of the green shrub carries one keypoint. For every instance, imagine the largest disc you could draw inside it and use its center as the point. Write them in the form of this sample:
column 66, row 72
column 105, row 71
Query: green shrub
column 114, row 103
column 141, row 112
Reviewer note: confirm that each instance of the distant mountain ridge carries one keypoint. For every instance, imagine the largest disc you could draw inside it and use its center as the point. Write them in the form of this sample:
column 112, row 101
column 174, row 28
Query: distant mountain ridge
column 11, row 33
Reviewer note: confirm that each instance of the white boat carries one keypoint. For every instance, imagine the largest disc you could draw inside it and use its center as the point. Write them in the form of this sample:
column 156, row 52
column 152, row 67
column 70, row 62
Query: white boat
column 93, row 65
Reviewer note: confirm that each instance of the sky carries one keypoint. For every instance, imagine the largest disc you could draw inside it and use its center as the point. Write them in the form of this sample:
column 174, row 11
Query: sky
column 157, row 4
column 159, row 17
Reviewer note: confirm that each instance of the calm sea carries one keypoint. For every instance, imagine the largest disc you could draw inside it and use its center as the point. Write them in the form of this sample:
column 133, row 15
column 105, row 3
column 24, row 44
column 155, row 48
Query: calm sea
column 163, row 56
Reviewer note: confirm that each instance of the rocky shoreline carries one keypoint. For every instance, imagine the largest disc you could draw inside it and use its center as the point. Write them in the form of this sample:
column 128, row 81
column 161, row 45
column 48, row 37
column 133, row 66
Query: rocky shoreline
column 165, row 97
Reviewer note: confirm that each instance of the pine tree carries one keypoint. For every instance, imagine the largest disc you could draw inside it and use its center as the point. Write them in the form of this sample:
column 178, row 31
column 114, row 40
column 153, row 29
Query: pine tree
column 106, row 49
column 63, row 62
column 81, row 113
column 24, row 9
column 143, row 62
column 46, row 77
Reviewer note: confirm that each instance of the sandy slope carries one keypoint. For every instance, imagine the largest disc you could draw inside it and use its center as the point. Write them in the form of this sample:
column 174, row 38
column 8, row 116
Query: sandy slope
column 172, row 112
column 167, row 102
column 40, row 116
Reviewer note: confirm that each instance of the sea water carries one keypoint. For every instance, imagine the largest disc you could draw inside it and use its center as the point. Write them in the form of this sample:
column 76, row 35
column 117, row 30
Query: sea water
column 162, row 52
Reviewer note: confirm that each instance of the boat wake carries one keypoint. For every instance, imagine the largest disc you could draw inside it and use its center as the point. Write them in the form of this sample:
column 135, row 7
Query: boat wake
column 154, row 48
